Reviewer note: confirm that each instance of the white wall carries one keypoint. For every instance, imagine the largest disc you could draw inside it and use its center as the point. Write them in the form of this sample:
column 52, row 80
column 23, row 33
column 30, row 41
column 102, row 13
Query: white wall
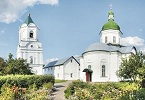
column 97, row 59
column 30, row 47
column 109, row 34
column 64, row 71
column 71, row 67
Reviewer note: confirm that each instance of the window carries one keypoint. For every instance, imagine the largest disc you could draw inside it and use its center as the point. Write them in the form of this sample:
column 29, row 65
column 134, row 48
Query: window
column 71, row 75
column 57, row 74
column 103, row 71
column 105, row 39
column 31, row 60
column 71, row 60
column 114, row 39
column 79, row 69
column 89, row 66
column 31, row 34
column 31, row 46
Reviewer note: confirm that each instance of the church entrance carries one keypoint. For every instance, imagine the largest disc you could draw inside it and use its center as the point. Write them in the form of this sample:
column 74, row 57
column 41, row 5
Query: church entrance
column 88, row 75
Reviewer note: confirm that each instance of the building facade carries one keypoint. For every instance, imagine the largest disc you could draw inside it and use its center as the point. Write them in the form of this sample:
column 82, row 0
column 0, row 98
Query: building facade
column 64, row 69
column 100, row 61
column 29, row 47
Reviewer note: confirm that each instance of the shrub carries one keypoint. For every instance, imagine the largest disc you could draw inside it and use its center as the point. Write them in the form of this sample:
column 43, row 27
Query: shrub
column 12, row 93
column 39, row 94
column 25, row 87
column 101, row 91
column 140, row 94
column 47, row 86
column 71, row 88
column 25, row 80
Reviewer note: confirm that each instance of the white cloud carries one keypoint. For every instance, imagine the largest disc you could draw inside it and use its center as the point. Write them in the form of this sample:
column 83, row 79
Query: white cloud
column 132, row 41
column 140, row 30
column 2, row 31
column 50, row 60
column 11, row 10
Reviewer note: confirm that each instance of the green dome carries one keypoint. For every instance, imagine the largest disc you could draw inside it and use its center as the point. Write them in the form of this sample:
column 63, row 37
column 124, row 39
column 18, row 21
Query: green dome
column 111, row 25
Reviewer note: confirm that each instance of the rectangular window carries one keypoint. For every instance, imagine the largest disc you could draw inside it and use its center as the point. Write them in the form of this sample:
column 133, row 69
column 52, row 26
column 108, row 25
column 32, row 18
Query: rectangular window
column 31, row 35
column 71, row 75
column 89, row 66
column 105, row 39
column 103, row 71
column 114, row 39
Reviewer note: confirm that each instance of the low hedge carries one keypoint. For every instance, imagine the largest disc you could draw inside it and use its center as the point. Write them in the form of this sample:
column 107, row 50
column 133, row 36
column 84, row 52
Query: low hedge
column 25, row 81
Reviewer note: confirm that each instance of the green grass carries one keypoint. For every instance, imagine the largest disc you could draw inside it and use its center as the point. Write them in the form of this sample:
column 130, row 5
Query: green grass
column 59, row 81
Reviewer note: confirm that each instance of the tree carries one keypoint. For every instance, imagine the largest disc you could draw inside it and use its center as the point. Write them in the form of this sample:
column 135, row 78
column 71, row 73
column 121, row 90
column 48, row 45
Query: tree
column 17, row 66
column 132, row 67
column 2, row 65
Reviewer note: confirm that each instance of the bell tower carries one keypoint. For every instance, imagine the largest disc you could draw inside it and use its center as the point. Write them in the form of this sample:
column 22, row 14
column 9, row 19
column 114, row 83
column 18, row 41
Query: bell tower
column 29, row 47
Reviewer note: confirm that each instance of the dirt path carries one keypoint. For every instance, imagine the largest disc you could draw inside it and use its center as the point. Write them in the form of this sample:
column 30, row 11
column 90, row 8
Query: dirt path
column 59, row 93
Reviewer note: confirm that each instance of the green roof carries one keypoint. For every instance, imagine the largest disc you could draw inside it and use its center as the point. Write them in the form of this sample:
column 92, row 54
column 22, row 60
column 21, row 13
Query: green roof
column 28, row 20
column 111, row 25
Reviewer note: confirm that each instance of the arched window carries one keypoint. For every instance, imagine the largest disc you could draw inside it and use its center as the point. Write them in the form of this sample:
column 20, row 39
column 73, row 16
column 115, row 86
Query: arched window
column 114, row 39
column 105, row 39
column 89, row 66
column 31, row 60
column 31, row 34
column 103, row 71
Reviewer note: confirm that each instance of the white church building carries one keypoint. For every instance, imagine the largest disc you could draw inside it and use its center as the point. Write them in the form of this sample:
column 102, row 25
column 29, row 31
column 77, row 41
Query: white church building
column 99, row 62
column 29, row 47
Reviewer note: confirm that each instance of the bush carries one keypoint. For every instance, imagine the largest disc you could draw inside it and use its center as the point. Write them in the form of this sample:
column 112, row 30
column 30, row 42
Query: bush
column 25, row 80
column 26, row 87
column 79, row 90
column 47, row 86
column 74, row 85
column 140, row 94
column 12, row 93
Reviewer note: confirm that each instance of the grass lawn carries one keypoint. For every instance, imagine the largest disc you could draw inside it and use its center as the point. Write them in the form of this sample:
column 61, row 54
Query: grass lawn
column 59, row 81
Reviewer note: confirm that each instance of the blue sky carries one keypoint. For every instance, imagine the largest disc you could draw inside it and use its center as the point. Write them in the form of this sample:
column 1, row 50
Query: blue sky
column 68, row 27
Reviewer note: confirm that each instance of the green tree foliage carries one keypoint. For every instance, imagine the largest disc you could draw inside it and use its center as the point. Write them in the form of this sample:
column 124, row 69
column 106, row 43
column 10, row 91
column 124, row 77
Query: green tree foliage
column 14, row 66
column 132, row 67
column 2, row 65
